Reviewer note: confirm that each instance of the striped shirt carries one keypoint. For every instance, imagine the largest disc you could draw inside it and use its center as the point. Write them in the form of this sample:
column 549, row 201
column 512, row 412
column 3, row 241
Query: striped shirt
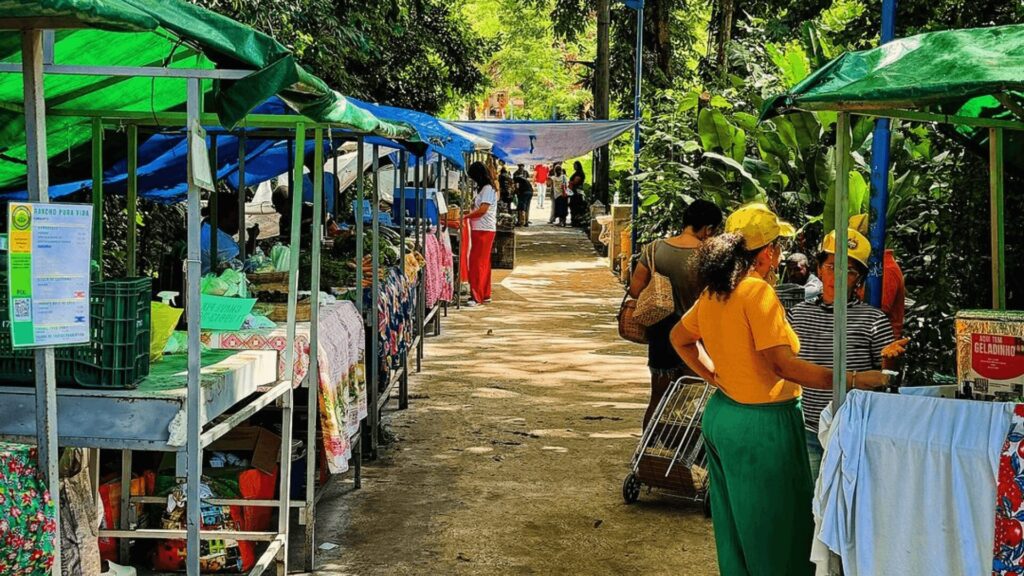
column 868, row 332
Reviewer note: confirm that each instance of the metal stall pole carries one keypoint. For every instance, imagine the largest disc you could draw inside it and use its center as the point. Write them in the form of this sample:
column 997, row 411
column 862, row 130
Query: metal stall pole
column 373, row 389
column 358, row 209
column 437, row 234
column 214, row 207
column 404, row 169
column 133, row 199
column 97, row 192
column 338, row 199
column 638, row 73
column 879, row 201
column 242, row 234
column 313, row 381
column 418, row 312
column 287, row 410
column 38, row 191
column 842, row 217
column 366, row 431
column 998, row 225
column 194, row 401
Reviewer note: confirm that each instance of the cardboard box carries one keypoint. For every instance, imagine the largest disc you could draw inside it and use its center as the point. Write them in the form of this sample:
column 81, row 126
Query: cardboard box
column 990, row 352
column 263, row 444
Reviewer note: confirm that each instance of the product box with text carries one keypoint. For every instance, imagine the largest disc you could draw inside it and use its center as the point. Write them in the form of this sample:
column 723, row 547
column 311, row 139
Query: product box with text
column 990, row 352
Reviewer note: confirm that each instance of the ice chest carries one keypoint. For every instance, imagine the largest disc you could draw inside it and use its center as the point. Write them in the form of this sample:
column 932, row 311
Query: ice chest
column 990, row 351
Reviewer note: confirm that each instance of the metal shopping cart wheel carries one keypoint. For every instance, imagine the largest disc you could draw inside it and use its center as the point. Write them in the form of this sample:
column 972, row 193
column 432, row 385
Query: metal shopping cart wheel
column 631, row 488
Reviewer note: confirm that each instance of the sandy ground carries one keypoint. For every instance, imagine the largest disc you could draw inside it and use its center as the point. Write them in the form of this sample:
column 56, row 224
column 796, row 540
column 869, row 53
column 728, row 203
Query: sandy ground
column 511, row 457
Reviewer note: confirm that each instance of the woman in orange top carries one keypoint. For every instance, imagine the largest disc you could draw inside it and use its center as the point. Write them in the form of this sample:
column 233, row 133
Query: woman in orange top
column 761, row 486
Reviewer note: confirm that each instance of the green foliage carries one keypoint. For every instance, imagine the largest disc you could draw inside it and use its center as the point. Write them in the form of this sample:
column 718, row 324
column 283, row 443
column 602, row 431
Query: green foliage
column 418, row 54
column 529, row 61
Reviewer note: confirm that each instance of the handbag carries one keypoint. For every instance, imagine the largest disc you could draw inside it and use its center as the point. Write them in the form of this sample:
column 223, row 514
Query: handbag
column 629, row 328
column 655, row 302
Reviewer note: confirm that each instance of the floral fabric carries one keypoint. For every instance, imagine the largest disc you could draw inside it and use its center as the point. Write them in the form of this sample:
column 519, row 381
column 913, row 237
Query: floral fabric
column 27, row 517
column 440, row 275
column 1008, row 552
column 395, row 314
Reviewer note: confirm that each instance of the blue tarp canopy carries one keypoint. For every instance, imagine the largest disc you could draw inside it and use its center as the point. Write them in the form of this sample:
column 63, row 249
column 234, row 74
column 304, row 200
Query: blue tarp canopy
column 531, row 142
column 163, row 160
column 431, row 131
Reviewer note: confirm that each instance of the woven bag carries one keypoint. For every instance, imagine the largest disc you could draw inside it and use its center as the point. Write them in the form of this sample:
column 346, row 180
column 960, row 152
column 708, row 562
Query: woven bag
column 655, row 302
column 629, row 328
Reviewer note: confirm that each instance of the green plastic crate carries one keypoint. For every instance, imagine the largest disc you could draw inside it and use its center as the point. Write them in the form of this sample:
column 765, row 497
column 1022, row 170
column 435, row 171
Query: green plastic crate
column 117, row 355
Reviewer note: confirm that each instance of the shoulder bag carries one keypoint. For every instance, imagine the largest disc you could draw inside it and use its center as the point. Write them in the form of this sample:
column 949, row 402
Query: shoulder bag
column 655, row 302
column 629, row 328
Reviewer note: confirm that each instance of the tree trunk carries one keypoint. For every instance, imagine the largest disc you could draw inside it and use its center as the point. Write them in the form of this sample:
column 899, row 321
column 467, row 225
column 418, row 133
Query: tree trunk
column 724, row 34
column 663, row 37
column 601, row 103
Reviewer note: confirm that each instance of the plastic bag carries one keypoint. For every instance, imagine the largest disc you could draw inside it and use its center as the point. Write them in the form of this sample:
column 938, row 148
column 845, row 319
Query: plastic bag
column 280, row 255
column 178, row 344
column 164, row 319
column 236, row 283
column 212, row 284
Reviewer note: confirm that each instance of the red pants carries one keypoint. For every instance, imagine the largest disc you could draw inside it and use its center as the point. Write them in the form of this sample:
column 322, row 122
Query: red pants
column 480, row 264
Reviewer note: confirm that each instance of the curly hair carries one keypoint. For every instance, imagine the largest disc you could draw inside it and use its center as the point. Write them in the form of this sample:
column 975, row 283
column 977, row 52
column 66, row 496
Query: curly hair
column 722, row 262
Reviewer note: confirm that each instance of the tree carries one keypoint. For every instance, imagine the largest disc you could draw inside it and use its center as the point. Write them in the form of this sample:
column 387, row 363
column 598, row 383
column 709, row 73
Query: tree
column 529, row 61
column 418, row 54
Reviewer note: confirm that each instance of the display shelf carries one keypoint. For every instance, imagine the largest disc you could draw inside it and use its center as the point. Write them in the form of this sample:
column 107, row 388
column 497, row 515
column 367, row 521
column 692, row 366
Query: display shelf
column 150, row 417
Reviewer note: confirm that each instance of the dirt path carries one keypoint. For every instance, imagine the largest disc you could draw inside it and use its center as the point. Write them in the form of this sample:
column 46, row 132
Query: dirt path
column 511, row 456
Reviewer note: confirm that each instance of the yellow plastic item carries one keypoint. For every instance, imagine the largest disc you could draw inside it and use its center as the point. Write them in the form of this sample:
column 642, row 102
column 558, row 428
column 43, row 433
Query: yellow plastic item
column 163, row 320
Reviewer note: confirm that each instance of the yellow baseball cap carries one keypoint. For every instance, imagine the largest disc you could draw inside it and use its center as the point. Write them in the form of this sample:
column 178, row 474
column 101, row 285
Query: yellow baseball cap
column 859, row 248
column 758, row 225
column 859, row 222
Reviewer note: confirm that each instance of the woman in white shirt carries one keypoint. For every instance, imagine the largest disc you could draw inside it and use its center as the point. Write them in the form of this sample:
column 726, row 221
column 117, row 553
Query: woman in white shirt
column 483, row 222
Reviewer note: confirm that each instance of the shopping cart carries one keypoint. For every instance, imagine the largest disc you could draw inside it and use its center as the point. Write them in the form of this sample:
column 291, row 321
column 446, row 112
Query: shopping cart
column 671, row 453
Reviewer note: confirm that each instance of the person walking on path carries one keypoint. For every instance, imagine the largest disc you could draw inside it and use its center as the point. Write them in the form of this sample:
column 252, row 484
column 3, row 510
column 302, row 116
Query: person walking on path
column 524, row 195
column 753, row 425
column 577, row 203
column 676, row 258
column 560, row 191
column 483, row 223
column 540, row 177
column 868, row 331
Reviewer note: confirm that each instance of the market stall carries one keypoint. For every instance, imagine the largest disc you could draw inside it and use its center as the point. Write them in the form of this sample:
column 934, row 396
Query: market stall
column 958, row 451
column 179, row 409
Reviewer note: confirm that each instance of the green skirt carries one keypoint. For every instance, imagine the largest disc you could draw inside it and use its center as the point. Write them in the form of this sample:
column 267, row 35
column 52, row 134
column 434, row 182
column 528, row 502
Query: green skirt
column 761, row 487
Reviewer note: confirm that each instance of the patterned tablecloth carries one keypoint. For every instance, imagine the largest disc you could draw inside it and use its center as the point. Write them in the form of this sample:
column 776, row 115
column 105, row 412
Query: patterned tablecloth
column 342, row 383
column 275, row 339
column 27, row 516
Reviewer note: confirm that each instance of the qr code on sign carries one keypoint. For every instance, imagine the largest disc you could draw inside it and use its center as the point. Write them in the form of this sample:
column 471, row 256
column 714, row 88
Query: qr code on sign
column 22, row 309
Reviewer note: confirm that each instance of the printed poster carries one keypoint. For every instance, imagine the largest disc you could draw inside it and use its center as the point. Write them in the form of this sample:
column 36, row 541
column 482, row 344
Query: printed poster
column 48, row 266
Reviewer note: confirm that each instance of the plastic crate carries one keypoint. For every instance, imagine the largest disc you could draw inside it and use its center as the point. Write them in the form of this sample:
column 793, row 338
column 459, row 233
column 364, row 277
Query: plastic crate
column 117, row 355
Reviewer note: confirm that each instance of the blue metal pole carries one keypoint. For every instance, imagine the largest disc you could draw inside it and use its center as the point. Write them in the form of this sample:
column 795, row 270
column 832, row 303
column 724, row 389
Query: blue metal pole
column 636, row 127
column 880, row 178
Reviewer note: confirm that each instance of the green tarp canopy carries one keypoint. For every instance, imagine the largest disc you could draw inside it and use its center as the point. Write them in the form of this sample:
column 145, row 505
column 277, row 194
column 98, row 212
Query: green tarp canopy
column 154, row 33
column 974, row 73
